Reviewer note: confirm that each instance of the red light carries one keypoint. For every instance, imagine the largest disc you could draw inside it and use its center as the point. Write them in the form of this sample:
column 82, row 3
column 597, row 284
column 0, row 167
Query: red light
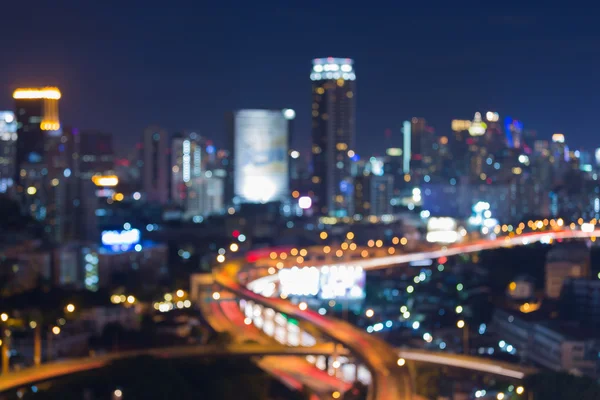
column 417, row 157
column 235, row 233
column 489, row 181
column 388, row 133
column 470, row 141
column 443, row 260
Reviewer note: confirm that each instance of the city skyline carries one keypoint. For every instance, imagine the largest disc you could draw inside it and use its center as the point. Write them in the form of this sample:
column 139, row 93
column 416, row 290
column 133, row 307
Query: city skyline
column 459, row 65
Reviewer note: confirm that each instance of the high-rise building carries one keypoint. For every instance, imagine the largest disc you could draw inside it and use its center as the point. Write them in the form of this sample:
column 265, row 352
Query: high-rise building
column 373, row 194
column 96, row 154
column 37, row 118
column 8, row 141
column 155, row 170
column 38, row 152
column 420, row 147
column 333, row 133
column 258, row 166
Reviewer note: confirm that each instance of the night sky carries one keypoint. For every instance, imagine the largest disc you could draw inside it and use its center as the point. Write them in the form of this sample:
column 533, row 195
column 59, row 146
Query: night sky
column 121, row 68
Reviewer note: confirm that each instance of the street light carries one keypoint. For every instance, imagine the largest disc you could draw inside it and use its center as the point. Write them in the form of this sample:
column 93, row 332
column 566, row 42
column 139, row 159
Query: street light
column 56, row 330
column 460, row 324
column 401, row 362
column 70, row 308
column 302, row 306
column 4, row 317
column 369, row 313
column 520, row 390
column 216, row 295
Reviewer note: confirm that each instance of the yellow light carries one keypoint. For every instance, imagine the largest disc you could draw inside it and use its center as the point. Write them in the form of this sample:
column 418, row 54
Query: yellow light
column 500, row 396
column 302, row 306
column 395, row 240
column 271, row 270
column 118, row 197
column 326, row 249
column 32, row 324
column 295, row 194
column 580, row 221
column 234, row 247
column 56, row 330
column 339, row 253
column 168, row 297
column 300, row 259
column 459, row 309
column 283, row 256
column 403, row 241
column 350, row 235
column 180, row 293
column 70, row 308
column 220, row 258
column 369, row 313
column 560, row 222
column 273, row 255
column 55, row 182
column 336, row 395
column 4, row 317
column 303, row 252
column 512, row 286
column 40, row 93
column 105, row 180
column 364, row 254
column 371, row 243
column 407, row 178
column 344, row 246
column 294, row 252
column 130, row 299
column 31, row 190
column 323, row 235
column 216, row 295
column 460, row 324
column 401, row 362
column 391, row 250
column 379, row 243
column 520, row 390
column 279, row 265
column 115, row 299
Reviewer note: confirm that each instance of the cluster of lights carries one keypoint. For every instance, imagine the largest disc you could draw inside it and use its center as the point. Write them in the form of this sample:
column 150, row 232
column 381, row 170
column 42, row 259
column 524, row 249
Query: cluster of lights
column 177, row 300
column 50, row 93
column 123, row 299
column 332, row 68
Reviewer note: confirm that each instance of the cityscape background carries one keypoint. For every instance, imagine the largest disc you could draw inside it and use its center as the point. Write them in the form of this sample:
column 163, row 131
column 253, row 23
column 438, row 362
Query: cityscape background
column 383, row 205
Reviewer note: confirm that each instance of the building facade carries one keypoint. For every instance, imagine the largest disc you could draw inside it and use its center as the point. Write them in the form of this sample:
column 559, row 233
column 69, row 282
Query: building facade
column 333, row 133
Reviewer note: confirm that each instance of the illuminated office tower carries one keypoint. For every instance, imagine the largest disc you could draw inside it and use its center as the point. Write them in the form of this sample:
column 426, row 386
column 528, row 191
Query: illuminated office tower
column 189, row 161
column 155, row 170
column 333, row 133
column 8, row 141
column 38, row 138
column 259, row 142
column 37, row 119
column 419, row 142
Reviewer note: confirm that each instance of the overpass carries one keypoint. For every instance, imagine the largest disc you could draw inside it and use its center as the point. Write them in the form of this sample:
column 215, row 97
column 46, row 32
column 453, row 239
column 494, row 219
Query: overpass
column 480, row 364
column 29, row 376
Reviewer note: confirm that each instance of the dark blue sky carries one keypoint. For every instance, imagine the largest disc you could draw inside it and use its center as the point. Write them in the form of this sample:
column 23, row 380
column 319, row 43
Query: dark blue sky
column 122, row 67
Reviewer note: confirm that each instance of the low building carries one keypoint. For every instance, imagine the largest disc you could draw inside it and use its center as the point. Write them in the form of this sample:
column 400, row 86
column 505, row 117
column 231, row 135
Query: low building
column 550, row 344
column 567, row 260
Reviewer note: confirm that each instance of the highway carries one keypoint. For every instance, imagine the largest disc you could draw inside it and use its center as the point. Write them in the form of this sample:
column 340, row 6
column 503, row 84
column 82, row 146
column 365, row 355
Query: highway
column 462, row 248
column 57, row 369
column 389, row 380
column 480, row 364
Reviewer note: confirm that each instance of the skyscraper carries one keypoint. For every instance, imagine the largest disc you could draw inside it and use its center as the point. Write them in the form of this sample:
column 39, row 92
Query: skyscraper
column 333, row 133
column 155, row 170
column 37, row 118
column 8, row 140
column 258, row 141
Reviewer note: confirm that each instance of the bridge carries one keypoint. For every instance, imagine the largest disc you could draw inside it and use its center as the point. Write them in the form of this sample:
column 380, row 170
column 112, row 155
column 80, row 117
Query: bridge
column 389, row 381
column 29, row 376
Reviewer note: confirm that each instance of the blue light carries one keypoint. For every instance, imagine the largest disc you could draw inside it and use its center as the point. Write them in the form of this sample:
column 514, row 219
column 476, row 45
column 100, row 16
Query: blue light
column 127, row 226
column 121, row 240
column 508, row 121
column 355, row 157
column 210, row 149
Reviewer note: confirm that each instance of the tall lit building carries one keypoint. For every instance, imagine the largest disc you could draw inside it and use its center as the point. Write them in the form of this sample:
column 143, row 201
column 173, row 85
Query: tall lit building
column 155, row 169
column 39, row 136
column 258, row 167
column 333, row 133
column 8, row 141
column 37, row 119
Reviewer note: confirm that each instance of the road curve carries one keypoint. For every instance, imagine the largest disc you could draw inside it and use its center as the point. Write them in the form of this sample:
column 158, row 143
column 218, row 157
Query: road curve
column 390, row 382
